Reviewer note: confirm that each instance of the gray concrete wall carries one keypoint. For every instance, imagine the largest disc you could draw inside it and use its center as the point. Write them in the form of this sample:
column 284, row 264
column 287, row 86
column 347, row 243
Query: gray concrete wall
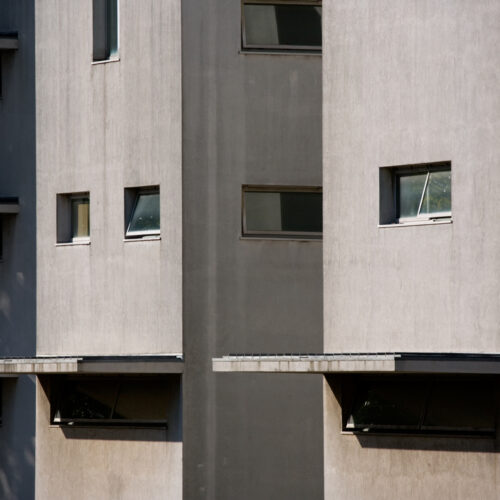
column 380, row 467
column 17, row 268
column 101, row 128
column 248, row 119
column 106, row 464
column 411, row 82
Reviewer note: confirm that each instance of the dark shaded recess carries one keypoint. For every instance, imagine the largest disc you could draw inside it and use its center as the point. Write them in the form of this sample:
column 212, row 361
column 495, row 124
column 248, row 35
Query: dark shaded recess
column 298, row 25
column 302, row 212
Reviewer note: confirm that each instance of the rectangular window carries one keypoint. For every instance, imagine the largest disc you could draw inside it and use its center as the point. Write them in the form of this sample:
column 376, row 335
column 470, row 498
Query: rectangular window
column 277, row 211
column 415, row 193
column 142, row 212
column 105, row 29
column 281, row 25
column 421, row 405
column 73, row 218
column 109, row 400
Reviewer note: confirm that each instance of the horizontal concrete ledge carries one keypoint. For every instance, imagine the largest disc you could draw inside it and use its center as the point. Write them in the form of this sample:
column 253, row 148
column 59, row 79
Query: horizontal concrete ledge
column 9, row 41
column 92, row 364
column 451, row 363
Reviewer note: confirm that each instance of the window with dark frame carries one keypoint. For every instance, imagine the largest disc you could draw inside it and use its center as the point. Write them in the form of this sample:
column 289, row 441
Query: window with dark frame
column 420, row 405
column 111, row 401
column 415, row 193
column 282, row 212
column 142, row 212
column 281, row 25
column 105, row 29
column 73, row 218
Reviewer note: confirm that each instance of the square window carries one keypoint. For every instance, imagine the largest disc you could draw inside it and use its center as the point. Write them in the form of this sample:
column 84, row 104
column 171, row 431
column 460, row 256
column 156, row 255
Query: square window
column 415, row 193
column 73, row 218
column 113, row 400
column 105, row 29
column 277, row 211
column 281, row 25
column 142, row 212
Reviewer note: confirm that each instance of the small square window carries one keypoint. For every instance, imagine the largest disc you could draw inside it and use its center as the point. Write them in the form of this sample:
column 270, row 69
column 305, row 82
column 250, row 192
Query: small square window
column 73, row 218
column 286, row 212
column 105, row 29
column 415, row 193
column 142, row 212
column 281, row 25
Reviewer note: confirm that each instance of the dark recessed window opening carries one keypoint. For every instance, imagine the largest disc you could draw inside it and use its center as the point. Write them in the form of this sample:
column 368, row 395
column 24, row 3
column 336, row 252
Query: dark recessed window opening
column 105, row 29
column 142, row 212
column 282, row 211
column 421, row 405
column 73, row 218
column 415, row 193
column 281, row 25
column 121, row 401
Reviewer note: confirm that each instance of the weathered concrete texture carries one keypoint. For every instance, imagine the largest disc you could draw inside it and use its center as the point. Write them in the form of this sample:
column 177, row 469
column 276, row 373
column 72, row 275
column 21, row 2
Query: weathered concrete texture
column 106, row 464
column 17, row 266
column 423, row 468
column 101, row 128
column 411, row 82
column 248, row 119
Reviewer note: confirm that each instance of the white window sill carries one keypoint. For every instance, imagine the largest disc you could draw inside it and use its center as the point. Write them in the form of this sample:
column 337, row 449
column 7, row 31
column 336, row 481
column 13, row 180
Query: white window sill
column 143, row 238
column 105, row 61
column 73, row 243
column 427, row 222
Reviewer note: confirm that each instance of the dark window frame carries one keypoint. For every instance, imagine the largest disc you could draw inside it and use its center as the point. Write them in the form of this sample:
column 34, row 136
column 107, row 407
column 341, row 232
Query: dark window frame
column 58, row 386
column 283, row 234
column 132, row 196
column 353, row 386
column 280, row 48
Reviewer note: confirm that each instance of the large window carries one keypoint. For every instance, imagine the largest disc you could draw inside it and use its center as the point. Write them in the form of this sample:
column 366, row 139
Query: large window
column 107, row 400
column 278, row 211
column 142, row 212
column 281, row 25
column 420, row 405
column 105, row 29
column 417, row 193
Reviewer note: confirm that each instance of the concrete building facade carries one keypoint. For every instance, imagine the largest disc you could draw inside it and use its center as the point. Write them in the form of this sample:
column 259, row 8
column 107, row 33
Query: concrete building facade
column 161, row 167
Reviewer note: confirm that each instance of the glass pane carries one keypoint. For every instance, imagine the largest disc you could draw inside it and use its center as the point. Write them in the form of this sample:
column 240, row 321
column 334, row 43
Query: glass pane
column 99, row 29
column 80, row 227
column 459, row 405
column 437, row 196
column 146, row 215
column 295, row 25
column 112, row 27
column 388, row 404
column 284, row 212
column 299, row 25
column 88, row 399
column 263, row 211
column 142, row 400
column 302, row 212
column 260, row 25
column 410, row 193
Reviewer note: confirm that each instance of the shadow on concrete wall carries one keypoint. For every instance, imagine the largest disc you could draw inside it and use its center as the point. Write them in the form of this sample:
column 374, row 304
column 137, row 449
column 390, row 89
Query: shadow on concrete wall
column 17, row 450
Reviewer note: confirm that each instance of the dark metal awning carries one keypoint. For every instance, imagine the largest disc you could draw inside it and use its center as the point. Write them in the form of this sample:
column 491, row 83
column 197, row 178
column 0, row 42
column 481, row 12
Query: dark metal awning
column 452, row 363
column 92, row 365
column 9, row 41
